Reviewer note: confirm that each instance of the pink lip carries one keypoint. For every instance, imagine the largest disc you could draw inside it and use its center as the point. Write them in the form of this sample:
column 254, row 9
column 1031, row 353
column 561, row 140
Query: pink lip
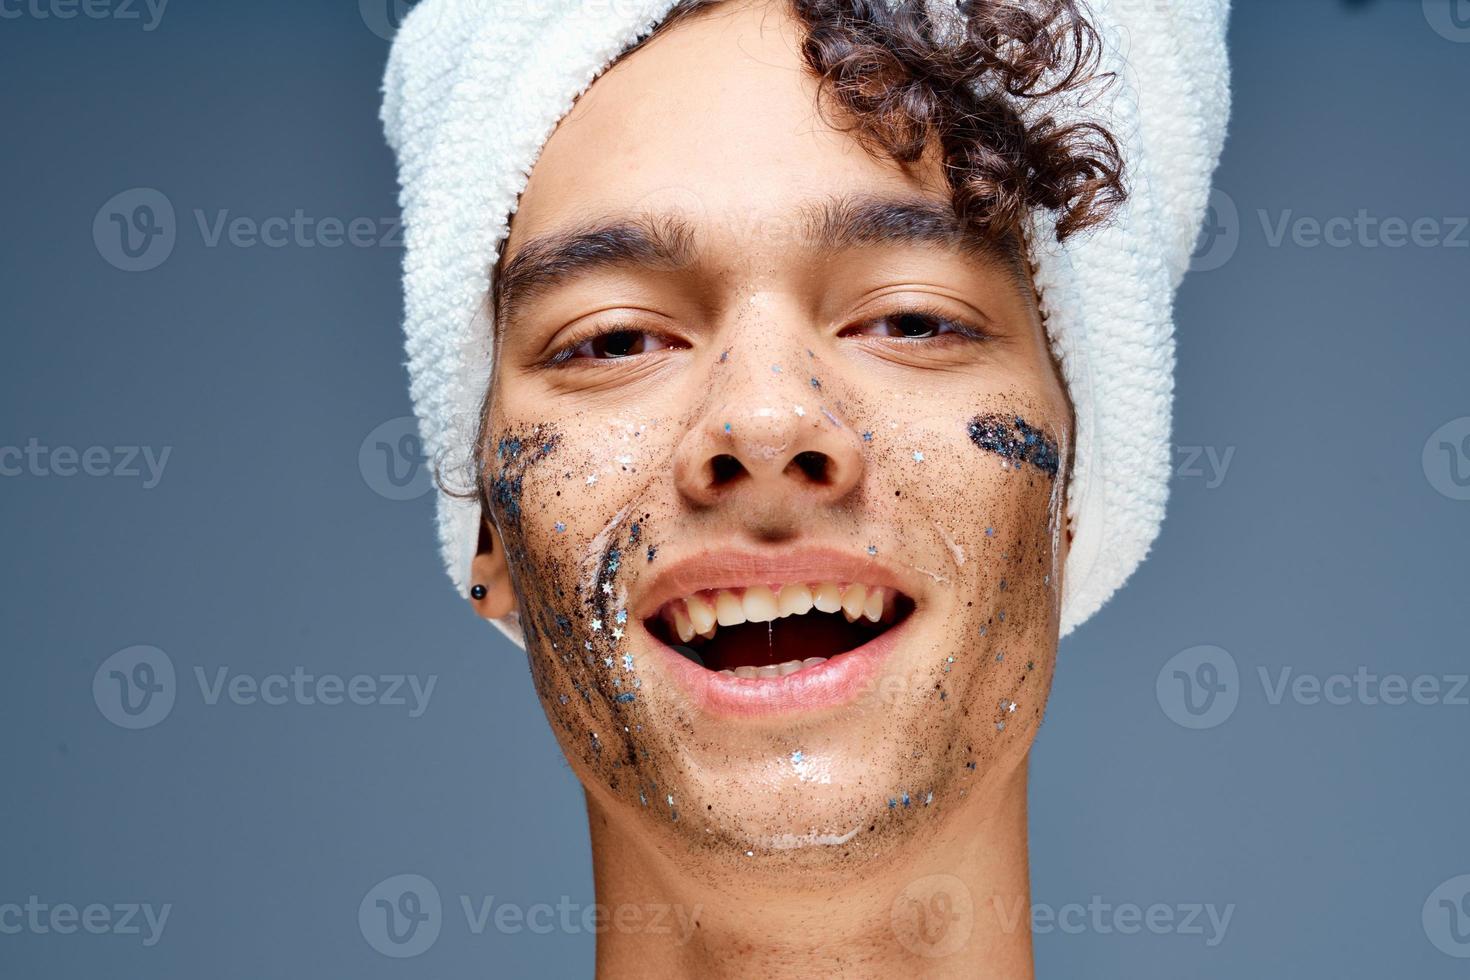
column 839, row 681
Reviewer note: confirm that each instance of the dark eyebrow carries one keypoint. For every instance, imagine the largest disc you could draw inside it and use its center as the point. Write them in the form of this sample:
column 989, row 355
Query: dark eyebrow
column 666, row 240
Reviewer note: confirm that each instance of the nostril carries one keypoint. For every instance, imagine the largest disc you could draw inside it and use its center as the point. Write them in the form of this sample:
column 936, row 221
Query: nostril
column 815, row 466
column 724, row 469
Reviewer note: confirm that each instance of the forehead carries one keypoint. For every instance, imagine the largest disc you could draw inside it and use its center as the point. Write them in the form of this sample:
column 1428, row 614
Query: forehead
column 716, row 119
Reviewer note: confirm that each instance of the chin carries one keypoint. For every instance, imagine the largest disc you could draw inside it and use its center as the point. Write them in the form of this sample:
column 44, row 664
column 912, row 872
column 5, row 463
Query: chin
column 802, row 725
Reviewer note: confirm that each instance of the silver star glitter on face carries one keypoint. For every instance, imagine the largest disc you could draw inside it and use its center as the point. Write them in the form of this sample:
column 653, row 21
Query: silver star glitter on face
column 591, row 479
column 617, row 633
column 596, row 625
column 918, row 456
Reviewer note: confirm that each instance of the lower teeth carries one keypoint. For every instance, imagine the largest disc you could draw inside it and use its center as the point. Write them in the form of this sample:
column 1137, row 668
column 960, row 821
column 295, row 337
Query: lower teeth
column 774, row 670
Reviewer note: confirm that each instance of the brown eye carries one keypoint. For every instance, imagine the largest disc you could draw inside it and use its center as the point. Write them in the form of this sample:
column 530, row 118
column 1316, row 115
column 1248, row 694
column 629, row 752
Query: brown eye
column 616, row 344
column 908, row 325
column 914, row 325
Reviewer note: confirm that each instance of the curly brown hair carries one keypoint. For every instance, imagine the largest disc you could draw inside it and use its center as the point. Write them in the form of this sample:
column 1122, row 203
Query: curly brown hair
column 980, row 88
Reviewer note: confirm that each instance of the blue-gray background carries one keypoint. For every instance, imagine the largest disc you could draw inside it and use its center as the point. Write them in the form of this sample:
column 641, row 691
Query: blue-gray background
column 1331, row 541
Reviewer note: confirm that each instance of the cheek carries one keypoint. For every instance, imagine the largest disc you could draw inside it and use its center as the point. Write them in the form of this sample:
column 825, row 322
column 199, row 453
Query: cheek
column 557, row 485
column 578, row 504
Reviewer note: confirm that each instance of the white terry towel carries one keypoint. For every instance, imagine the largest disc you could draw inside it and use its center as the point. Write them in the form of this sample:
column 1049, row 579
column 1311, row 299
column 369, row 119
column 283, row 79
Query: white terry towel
column 474, row 88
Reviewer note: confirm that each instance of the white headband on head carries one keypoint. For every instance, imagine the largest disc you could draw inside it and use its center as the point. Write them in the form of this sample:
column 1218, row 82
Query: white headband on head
column 474, row 88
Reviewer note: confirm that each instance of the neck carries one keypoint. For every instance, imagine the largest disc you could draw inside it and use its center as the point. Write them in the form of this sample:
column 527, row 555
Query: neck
column 961, row 908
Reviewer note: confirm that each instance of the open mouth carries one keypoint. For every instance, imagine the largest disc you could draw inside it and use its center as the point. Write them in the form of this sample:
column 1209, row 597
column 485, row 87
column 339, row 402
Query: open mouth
column 772, row 631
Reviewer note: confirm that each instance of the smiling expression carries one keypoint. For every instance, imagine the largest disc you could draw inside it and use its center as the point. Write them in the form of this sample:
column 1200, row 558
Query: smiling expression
column 776, row 457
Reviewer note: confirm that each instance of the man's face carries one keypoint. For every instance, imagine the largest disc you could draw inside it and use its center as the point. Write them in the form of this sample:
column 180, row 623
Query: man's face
column 756, row 406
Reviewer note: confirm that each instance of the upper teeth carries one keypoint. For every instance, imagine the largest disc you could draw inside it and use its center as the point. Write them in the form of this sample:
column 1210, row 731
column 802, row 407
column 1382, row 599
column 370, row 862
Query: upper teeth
column 702, row 613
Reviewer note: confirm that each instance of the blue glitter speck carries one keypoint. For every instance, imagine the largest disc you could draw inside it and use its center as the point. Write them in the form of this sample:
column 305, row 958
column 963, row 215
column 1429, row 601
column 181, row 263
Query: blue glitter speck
column 560, row 527
column 867, row 437
column 872, row 549
column 625, row 697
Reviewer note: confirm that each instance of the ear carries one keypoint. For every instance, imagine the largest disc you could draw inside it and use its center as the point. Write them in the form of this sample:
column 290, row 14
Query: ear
column 490, row 571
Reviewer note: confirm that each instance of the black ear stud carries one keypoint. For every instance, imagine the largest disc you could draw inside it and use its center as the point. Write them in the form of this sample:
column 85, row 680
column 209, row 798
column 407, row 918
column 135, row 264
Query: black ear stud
column 477, row 592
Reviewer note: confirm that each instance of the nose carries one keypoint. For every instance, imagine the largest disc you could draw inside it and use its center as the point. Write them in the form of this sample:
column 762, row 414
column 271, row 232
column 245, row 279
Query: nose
column 770, row 440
